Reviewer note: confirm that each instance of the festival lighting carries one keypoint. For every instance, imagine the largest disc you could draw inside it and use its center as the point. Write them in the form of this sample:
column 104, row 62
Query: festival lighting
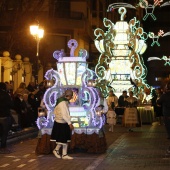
column 73, row 74
column 165, row 4
column 155, row 38
column 149, row 8
column 165, row 58
column 122, row 43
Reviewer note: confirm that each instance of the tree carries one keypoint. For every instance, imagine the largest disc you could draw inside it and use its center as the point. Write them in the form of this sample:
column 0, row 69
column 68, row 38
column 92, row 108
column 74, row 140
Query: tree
column 16, row 16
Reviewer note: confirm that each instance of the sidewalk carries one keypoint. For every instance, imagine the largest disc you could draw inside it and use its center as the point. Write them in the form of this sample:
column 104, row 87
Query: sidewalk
column 143, row 149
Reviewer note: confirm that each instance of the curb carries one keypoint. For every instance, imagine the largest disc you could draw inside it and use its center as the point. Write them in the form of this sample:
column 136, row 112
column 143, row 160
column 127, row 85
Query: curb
column 21, row 135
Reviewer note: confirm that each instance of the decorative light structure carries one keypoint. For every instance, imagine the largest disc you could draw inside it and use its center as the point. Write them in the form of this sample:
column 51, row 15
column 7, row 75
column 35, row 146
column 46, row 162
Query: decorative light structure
column 38, row 34
column 121, row 47
column 72, row 73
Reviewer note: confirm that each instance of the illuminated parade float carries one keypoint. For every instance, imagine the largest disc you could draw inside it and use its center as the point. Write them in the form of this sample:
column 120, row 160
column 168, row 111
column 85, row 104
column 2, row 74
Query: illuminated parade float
column 72, row 73
column 121, row 66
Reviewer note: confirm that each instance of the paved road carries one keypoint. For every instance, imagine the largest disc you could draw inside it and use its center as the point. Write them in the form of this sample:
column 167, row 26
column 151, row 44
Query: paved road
column 143, row 149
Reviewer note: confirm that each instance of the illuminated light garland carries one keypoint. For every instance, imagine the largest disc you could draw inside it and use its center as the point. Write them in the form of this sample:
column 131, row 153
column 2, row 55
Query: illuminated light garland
column 165, row 58
column 151, row 7
column 167, row 33
column 165, row 4
column 113, row 6
column 155, row 38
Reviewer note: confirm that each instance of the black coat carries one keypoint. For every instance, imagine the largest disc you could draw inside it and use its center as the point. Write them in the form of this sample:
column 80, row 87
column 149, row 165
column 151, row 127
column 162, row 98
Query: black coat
column 122, row 102
column 164, row 100
column 20, row 106
column 5, row 104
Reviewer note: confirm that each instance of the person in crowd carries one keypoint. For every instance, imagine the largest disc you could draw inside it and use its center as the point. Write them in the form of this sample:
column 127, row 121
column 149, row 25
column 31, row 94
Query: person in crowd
column 111, row 119
column 10, row 89
column 42, row 103
column 131, row 100
column 39, row 95
column 21, row 109
column 35, row 98
column 103, row 102
column 154, row 100
column 31, row 87
column 159, row 114
column 122, row 99
column 34, row 105
column 21, row 89
column 112, row 100
column 61, row 131
column 29, row 112
column 102, row 108
column 164, row 100
column 5, row 117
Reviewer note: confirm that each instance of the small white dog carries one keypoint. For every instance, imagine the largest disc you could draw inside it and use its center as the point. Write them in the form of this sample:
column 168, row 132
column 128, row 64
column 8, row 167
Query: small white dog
column 111, row 119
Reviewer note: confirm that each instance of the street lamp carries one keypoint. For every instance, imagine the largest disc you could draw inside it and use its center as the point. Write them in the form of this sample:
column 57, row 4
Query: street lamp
column 38, row 34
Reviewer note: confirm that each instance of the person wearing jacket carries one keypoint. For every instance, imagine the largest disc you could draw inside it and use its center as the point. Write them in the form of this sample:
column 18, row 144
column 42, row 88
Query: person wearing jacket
column 5, row 117
column 61, row 132
column 112, row 100
column 164, row 100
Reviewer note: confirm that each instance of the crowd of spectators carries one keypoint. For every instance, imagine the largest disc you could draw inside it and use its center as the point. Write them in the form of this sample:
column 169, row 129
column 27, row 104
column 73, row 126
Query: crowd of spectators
column 18, row 109
column 26, row 100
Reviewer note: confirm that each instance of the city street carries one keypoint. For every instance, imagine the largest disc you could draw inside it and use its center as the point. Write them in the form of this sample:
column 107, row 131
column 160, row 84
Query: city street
column 144, row 148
